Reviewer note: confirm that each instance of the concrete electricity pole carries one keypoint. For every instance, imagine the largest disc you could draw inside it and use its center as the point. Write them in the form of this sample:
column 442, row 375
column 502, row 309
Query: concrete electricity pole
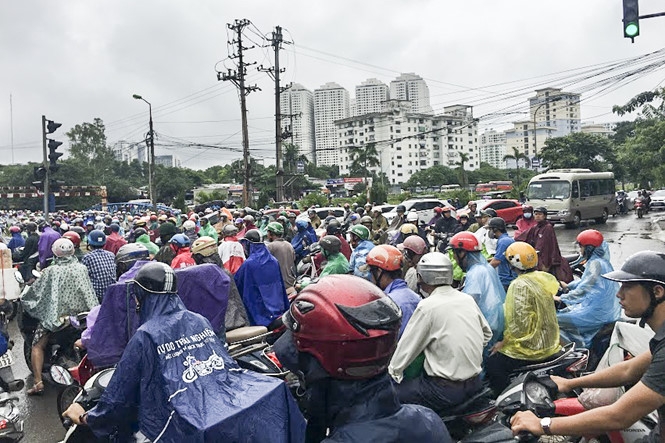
column 238, row 79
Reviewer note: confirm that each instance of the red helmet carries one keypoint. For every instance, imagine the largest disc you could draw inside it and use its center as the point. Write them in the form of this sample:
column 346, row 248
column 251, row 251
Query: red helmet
column 438, row 209
column 349, row 325
column 74, row 237
column 590, row 237
column 385, row 257
column 465, row 240
column 416, row 244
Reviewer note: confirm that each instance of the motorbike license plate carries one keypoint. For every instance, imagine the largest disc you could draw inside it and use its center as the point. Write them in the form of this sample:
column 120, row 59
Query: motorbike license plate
column 6, row 360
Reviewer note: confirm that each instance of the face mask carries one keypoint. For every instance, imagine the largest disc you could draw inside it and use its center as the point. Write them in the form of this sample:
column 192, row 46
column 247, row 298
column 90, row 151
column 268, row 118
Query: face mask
column 528, row 215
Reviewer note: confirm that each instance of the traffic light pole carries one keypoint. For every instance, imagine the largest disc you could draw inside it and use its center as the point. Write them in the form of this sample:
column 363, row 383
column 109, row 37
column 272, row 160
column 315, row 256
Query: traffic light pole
column 46, row 167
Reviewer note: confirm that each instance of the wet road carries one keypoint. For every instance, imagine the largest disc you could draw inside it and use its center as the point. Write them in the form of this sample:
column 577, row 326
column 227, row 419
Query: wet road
column 625, row 235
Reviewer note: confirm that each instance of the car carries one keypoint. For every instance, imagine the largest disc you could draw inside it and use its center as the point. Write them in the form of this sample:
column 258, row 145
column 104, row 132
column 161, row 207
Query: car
column 658, row 199
column 275, row 212
column 384, row 208
column 507, row 209
column 424, row 207
column 338, row 212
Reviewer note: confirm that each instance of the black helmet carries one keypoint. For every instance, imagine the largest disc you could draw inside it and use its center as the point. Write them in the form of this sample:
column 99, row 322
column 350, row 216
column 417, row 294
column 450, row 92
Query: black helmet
column 330, row 244
column 31, row 227
column 156, row 277
column 541, row 209
column 139, row 232
column 490, row 212
column 497, row 223
column 253, row 235
column 333, row 227
column 400, row 208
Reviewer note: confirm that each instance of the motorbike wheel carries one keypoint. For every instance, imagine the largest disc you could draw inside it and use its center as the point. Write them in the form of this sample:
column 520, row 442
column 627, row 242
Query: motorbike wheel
column 65, row 398
column 640, row 213
column 27, row 351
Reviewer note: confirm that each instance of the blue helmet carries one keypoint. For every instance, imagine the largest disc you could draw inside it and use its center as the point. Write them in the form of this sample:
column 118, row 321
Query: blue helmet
column 180, row 240
column 96, row 238
column 301, row 224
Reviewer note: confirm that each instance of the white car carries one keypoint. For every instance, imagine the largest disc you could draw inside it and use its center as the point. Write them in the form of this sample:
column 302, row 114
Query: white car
column 424, row 207
column 658, row 199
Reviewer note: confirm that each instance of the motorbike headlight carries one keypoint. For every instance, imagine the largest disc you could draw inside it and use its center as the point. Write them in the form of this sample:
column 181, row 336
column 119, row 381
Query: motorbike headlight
column 536, row 393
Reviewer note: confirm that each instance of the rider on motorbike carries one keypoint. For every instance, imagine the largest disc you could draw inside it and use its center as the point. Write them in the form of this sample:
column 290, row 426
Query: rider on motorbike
column 183, row 256
column 303, row 238
column 100, row 263
column 30, row 248
column 341, row 334
column 176, row 381
column 591, row 301
column 331, row 248
column 413, row 248
column 361, row 243
column 642, row 293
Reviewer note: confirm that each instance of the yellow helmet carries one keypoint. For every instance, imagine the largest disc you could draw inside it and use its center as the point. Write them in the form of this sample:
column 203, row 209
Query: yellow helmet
column 522, row 256
column 408, row 229
column 205, row 246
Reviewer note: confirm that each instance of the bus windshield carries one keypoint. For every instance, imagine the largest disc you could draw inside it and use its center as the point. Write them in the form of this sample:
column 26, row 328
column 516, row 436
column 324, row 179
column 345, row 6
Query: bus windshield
column 549, row 190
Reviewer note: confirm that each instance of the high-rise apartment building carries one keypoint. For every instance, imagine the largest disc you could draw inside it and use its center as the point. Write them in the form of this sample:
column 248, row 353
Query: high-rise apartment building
column 297, row 109
column 331, row 103
column 493, row 148
column 413, row 88
column 370, row 96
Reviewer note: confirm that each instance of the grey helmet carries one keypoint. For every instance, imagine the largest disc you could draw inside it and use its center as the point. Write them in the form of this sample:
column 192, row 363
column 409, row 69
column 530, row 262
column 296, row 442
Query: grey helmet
column 435, row 269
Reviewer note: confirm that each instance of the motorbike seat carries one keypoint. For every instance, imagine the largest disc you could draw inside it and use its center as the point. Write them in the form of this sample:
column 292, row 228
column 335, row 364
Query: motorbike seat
column 478, row 402
column 245, row 333
column 556, row 359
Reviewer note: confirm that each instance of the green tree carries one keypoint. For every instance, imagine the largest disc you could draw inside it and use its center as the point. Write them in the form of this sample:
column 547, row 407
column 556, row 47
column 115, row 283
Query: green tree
column 650, row 104
column 517, row 156
column 364, row 157
column 579, row 150
column 463, row 158
column 432, row 177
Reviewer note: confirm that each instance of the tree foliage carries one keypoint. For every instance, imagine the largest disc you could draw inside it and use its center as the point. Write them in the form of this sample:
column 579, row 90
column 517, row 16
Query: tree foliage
column 578, row 150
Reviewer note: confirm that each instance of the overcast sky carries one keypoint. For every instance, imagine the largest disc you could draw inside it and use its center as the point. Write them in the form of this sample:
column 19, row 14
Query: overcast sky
column 77, row 60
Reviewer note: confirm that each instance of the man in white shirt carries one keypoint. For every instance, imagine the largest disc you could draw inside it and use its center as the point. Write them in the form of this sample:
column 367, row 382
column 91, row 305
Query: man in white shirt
column 482, row 235
column 448, row 328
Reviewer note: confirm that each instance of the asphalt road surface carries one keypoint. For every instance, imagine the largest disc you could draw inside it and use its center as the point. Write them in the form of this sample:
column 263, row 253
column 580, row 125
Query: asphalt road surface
column 625, row 234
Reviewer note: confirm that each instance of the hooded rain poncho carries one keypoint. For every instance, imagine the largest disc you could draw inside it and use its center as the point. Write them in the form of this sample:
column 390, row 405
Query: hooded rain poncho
column 144, row 239
column 359, row 258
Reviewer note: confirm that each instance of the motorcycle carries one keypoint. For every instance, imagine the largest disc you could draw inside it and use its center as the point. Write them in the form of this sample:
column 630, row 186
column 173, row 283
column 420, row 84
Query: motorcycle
column 576, row 263
column 306, row 270
column 621, row 205
column 470, row 415
column 80, row 374
column 640, row 207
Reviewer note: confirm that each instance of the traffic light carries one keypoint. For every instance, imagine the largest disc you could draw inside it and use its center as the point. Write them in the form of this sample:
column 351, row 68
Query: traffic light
column 40, row 173
column 53, row 155
column 631, row 19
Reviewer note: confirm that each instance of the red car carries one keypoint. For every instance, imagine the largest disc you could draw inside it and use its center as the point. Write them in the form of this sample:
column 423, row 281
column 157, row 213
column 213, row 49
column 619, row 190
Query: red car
column 509, row 210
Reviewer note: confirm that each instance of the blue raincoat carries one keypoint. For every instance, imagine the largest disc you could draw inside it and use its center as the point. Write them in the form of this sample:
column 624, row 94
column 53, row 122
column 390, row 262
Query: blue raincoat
column 259, row 281
column 176, row 383
column 17, row 241
column 405, row 298
column 591, row 302
column 301, row 240
column 359, row 258
column 483, row 284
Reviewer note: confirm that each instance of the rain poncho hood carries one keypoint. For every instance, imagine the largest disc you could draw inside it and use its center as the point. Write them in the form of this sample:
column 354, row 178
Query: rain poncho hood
column 63, row 289
column 591, row 302
column 532, row 331
column 46, row 239
column 145, row 240
column 261, row 287
column 303, row 239
column 177, row 382
column 359, row 258
column 205, row 289
column 337, row 264
column 17, row 241
column 483, row 284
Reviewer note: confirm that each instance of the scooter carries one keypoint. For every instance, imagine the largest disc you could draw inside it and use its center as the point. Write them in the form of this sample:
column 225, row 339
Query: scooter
column 640, row 207
column 80, row 374
column 11, row 421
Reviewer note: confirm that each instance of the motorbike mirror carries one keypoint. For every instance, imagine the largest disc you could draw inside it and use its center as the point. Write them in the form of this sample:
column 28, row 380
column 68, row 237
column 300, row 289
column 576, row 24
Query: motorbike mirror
column 19, row 277
column 36, row 273
column 61, row 376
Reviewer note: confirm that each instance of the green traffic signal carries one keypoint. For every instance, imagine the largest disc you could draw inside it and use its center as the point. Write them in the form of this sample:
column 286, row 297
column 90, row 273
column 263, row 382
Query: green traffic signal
column 632, row 30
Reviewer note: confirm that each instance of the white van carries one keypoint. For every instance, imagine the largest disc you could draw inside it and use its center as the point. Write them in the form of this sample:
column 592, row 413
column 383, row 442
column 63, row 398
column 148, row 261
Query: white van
column 573, row 195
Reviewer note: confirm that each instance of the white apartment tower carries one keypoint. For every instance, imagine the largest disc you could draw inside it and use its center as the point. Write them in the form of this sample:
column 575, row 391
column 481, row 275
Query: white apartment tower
column 297, row 109
column 370, row 96
column 493, row 148
column 331, row 103
column 413, row 88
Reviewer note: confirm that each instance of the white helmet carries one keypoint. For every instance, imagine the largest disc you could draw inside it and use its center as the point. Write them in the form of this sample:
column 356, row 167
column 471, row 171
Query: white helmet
column 63, row 247
column 435, row 269
column 188, row 225
column 412, row 216
column 64, row 226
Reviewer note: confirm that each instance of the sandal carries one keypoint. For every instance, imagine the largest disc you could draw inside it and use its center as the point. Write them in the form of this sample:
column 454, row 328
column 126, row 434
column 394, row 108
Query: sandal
column 36, row 389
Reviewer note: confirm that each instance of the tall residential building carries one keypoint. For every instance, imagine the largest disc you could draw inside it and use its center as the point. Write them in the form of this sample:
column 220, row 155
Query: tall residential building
column 331, row 103
column 407, row 142
column 493, row 148
column 297, row 109
column 413, row 88
column 521, row 137
column 602, row 129
column 170, row 161
column 128, row 152
column 370, row 96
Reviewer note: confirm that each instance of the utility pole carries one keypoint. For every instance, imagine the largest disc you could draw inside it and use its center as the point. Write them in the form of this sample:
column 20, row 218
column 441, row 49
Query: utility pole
column 274, row 73
column 238, row 79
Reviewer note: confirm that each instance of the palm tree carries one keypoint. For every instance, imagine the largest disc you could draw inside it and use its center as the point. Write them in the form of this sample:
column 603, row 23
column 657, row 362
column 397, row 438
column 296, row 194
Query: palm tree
column 364, row 157
column 463, row 158
column 517, row 156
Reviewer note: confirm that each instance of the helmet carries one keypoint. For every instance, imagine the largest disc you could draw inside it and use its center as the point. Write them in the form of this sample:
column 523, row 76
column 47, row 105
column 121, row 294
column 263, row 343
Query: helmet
column 31, row 227
column 156, row 277
column 527, row 208
column 206, row 246
column 139, row 232
column 415, row 244
column 139, row 222
column 347, row 324
column 166, row 228
column 412, row 216
column 590, row 237
column 408, row 229
column 254, row 236
column 438, row 209
column 334, row 226
column 435, row 269
column 400, row 208
column 180, row 240
column 330, row 244
column 188, row 225
column 497, row 223
column 153, row 217
column 464, row 240
column 96, row 238
column 522, row 256
column 114, row 227
column 276, row 228
column 229, row 231
column 360, row 231
column 73, row 237
column 385, row 257
column 488, row 212
column 14, row 229
column 541, row 209
column 644, row 266
column 248, row 219
column 63, row 247
column 130, row 253
column 64, row 226
column 366, row 219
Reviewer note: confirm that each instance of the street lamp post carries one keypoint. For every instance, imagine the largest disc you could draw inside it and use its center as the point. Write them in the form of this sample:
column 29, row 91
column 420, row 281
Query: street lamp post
column 151, row 162
column 535, row 129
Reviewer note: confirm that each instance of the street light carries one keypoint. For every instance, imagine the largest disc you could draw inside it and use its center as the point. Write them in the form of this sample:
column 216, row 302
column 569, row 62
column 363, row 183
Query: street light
column 535, row 130
column 151, row 162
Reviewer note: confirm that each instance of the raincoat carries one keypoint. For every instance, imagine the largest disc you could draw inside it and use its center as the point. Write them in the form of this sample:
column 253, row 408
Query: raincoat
column 209, row 231
column 205, row 289
column 359, row 258
column 114, row 242
column 175, row 382
column 483, row 284
column 144, row 239
column 405, row 298
column 183, row 259
column 46, row 240
column 17, row 241
column 261, row 287
column 531, row 331
column 231, row 253
column 303, row 239
column 336, row 264
column 591, row 302
column 64, row 289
